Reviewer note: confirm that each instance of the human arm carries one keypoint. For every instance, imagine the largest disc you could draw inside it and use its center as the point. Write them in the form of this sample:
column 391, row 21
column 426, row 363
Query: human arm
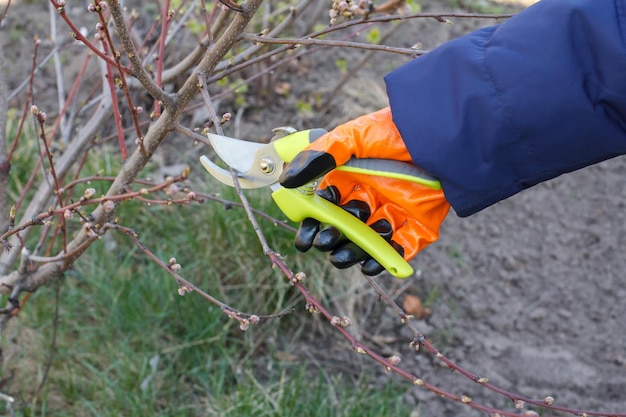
column 506, row 107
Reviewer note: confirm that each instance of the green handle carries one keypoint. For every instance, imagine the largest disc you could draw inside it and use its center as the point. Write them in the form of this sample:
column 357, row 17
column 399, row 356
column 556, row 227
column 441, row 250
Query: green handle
column 289, row 146
column 297, row 206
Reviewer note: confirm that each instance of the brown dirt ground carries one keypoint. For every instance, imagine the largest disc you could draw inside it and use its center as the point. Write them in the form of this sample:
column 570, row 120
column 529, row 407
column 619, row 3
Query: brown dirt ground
column 528, row 293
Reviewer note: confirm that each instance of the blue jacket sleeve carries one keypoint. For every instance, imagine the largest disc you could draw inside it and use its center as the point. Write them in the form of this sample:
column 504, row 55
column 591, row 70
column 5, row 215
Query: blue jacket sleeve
column 506, row 107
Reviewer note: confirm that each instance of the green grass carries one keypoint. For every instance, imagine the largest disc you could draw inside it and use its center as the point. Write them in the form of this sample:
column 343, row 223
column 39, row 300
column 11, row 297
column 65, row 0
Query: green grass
column 128, row 344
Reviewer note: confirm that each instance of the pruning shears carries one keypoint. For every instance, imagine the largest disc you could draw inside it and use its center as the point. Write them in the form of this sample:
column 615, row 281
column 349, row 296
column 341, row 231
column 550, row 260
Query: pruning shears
column 259, row 165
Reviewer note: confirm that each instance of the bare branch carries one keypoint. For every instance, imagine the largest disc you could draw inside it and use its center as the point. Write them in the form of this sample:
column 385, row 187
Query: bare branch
column 328, row 43
column 4, row 156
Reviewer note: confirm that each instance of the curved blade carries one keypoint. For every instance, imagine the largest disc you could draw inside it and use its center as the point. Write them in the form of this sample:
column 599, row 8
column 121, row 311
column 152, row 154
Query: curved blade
column 224, row 176
column 238, row 154
column 257, row 165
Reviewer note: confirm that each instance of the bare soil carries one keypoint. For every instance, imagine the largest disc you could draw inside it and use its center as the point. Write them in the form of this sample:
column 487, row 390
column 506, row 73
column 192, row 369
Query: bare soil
column 529, row 293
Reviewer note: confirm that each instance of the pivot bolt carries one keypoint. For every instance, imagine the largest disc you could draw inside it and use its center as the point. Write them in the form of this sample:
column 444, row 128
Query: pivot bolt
column 267, row 166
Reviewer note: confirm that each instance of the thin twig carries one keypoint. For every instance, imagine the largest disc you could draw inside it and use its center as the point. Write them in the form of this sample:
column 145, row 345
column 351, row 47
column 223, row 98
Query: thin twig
column 61, row 119
column 117, row 117
column 70, row 96
column 123, row 86
column 165, row 20
column 331, row 43
column 77, row 35
column 232, row 5
column 440, row 17
column 41, row 119
column 340, row 324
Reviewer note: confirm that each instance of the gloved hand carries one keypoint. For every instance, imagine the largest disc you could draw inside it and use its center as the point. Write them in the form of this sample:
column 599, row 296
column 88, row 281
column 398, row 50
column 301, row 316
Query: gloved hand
column 406, row 214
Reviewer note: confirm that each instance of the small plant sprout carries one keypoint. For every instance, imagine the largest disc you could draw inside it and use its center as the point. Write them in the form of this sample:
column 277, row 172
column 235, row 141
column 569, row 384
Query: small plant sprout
column 311, row 308
column 108, row 206
column 349, row 9
column 41, row 116
column 172, row 189
column 417, row 341
column 394, row 360
column 182, row 290
column 89, row 193
column 244, row 325
column 173, row 265
column 297, row 277
column 548, row 400
column 340, row 321
column 88, row 230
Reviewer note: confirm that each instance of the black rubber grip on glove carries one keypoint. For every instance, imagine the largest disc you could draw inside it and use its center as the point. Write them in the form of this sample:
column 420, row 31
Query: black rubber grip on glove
column 305, row 167
column 329, row 237
column 309, row 228
column 348, row 254
column 371, row 266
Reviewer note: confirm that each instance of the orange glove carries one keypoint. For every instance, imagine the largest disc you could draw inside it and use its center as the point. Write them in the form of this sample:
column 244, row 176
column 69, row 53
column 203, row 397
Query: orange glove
column 405, row 213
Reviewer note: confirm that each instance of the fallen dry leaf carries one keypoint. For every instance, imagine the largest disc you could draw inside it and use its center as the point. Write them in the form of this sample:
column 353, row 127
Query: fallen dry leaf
column 413, row 305
column 283, row 88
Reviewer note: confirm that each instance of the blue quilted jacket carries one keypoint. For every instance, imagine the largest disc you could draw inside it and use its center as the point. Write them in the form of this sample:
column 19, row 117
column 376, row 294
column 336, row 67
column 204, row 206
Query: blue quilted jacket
column 506, row 107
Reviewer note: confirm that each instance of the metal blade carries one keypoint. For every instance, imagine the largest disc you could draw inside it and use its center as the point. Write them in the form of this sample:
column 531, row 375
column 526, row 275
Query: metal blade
column 224, row 176
column 257, row 165
column 238, row 154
